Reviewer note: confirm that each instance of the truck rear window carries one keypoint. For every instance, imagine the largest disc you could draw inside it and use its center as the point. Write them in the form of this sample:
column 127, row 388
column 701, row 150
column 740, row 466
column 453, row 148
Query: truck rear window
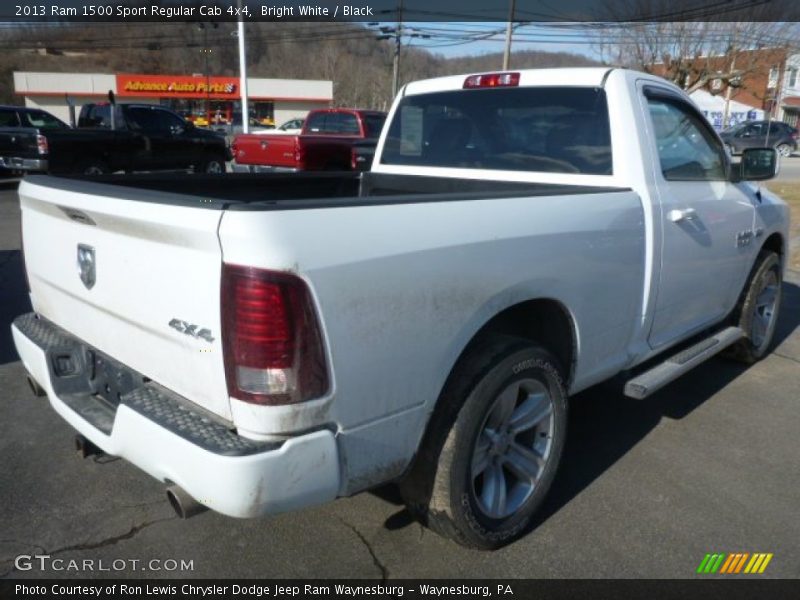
column 333, row 123
column 41, row 120
column 8, row 118
column 550, row 129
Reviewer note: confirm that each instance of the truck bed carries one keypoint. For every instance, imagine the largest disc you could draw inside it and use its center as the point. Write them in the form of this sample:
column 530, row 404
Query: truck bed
column 294, row 191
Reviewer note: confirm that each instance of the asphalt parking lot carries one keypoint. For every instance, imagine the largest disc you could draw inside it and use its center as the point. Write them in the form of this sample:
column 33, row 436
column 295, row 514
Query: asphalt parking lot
column 647, row 488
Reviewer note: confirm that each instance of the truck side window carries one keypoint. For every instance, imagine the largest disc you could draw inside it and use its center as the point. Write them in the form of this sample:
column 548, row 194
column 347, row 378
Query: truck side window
column 686, row 148
column 143, row 119
column 169, row 121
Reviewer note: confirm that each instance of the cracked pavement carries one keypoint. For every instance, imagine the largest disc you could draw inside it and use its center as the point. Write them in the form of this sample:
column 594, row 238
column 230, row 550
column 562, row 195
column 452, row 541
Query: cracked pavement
column 709, row 464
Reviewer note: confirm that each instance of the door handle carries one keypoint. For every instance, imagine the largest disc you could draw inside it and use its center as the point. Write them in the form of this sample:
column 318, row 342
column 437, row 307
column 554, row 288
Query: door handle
column 682, row 214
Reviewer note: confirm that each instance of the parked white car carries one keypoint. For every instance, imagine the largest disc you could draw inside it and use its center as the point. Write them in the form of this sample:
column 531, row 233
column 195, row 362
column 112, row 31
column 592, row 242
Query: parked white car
column 293, row 126
column 267, row 344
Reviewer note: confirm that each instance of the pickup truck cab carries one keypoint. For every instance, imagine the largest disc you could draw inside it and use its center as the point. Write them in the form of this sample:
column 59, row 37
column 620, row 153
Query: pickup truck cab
column 263, row 343
column 325, row 142
column 141, row 137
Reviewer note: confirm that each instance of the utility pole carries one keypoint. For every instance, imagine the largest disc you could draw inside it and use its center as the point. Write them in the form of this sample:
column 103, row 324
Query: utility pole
column 509, row 33
column 243, row 73
column 206, row 54
column 398, row 34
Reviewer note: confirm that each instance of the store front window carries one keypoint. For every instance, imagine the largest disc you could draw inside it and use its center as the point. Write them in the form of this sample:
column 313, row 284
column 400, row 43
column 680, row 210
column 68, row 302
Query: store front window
column 201, row 112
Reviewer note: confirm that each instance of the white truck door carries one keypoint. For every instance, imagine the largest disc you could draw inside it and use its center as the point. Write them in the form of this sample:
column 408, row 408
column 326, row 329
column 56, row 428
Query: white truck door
column 706, row 220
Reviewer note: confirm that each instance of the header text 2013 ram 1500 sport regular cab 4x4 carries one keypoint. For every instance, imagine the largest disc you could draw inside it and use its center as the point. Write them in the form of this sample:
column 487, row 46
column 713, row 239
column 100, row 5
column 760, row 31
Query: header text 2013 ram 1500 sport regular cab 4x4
column 265, row 343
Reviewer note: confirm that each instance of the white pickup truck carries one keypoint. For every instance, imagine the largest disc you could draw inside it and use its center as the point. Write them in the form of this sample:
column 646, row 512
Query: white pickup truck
column 263, row 343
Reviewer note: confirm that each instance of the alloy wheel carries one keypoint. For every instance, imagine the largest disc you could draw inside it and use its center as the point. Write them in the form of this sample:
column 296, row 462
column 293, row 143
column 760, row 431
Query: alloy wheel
column 512, row 448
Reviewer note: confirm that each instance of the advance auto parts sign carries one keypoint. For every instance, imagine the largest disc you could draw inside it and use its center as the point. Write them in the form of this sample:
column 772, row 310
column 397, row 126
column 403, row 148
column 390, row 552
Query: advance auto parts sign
column 177, row 86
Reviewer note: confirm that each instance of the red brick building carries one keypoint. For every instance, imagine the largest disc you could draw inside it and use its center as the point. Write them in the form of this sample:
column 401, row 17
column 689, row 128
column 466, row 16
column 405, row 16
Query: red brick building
column 769, row 79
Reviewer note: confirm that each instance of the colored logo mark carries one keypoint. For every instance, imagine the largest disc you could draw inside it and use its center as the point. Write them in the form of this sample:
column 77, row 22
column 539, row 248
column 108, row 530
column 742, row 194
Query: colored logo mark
column 734, row 563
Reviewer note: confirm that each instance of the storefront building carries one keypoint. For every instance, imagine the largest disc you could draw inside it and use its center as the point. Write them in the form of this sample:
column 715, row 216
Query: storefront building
column 203, row 99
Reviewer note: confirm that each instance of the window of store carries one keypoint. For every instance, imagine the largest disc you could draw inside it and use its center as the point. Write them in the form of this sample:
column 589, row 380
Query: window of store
column 264, row 113
column 773, row 78
column 792, row 77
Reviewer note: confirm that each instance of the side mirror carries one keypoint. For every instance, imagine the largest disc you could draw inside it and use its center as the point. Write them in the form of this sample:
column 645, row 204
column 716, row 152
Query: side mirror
column 757, row 164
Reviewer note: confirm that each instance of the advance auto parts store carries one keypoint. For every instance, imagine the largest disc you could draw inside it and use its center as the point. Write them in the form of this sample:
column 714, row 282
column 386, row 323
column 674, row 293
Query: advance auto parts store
column 201, row 99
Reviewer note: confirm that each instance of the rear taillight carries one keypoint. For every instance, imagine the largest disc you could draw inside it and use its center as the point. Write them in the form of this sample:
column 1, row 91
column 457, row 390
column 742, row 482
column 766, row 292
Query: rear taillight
column 41, row 144
column 355, row 160
column 271, row 337
column 491, row 80
column 299, row 154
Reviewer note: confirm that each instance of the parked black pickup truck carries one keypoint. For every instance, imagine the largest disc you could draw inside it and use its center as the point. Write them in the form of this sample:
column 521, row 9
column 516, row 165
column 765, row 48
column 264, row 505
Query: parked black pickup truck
column 140, row 137
column 22, row 141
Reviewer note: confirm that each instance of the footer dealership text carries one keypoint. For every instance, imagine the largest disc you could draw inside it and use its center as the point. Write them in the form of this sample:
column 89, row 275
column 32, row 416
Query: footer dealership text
column 273, row 590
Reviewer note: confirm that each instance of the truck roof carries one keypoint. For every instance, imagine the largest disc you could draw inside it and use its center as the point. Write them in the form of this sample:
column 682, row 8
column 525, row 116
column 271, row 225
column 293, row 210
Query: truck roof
column 577, row 76
column 362, row 111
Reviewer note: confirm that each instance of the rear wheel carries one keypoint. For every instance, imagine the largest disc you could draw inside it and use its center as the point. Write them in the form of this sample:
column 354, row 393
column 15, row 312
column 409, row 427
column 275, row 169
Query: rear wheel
column 758, row 309
column 93, row 166
column 784, row 149
column 493, row 447
column 211, row 166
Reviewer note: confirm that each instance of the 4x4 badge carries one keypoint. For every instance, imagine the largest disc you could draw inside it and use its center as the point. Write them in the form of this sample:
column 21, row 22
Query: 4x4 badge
column 87, row 266
column 192, row 330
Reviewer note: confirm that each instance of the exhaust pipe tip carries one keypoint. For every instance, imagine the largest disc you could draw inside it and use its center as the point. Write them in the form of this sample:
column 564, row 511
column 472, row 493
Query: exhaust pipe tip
column 37, row 390
column 182, row 503
column 85, row 448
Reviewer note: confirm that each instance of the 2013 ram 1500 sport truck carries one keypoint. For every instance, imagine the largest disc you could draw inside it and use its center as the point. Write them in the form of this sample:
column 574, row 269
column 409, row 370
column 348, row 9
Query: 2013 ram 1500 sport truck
column 262, row 343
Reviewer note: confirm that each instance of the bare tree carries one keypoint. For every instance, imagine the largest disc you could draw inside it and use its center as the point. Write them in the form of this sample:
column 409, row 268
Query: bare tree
column 696, row 55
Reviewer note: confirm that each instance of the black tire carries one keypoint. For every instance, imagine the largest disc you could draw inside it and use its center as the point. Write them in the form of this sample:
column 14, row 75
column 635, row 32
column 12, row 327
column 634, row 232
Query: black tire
column 757, row 314
column 93, row 166
column 442, row 488
column 213, row 165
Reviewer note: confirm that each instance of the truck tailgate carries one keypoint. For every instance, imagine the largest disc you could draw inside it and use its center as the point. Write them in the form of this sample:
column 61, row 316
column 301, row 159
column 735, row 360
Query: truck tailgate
column 265, row 149
column 153, row 300
column 18, row 142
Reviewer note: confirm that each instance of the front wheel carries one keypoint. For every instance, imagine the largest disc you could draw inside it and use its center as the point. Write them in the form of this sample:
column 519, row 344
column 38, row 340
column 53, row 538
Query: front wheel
column 784, row 150
column 758, row 311
column 485, row 468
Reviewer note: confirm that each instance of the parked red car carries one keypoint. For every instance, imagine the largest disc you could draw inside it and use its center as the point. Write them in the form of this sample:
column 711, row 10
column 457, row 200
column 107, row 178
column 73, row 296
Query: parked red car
column 325, row 143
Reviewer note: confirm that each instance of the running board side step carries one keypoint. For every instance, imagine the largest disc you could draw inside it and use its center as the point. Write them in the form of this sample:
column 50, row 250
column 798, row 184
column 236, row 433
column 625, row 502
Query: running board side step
column 651, row 381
